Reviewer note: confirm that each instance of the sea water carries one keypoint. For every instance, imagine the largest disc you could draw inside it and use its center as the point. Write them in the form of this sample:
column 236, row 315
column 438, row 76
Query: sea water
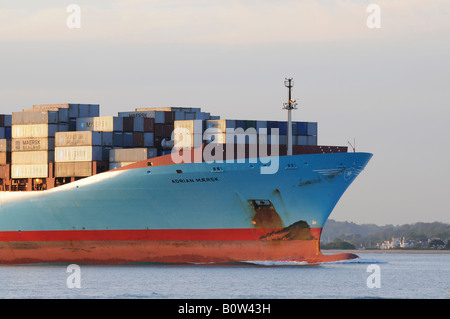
column 373, row 275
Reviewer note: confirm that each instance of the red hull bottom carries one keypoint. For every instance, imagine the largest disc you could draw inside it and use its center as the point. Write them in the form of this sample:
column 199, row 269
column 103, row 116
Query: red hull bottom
column 297, row 243
column 120, row 252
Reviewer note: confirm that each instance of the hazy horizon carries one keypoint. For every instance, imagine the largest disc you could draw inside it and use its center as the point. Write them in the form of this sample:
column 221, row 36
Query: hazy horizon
column 386, row 87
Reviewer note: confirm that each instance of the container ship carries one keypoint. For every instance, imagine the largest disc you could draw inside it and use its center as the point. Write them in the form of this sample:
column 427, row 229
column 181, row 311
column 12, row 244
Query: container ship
column 77, row 187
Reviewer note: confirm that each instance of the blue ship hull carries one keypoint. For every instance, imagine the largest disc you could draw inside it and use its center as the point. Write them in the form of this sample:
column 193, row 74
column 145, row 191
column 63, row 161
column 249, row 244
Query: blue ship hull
column 195, row 212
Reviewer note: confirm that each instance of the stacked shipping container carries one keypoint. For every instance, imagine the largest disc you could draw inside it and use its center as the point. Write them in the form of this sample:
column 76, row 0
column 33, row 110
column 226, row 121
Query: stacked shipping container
column 127, row 156
column 32, row 145
column 5, row 126
column 5, row 147
column 245, row 132
column 5, row 159
column 78, row 153
column 81, row 143
column 74, row 111
column 164, row 119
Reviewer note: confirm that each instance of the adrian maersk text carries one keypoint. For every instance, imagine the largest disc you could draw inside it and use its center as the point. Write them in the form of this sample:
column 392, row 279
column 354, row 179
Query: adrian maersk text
column 225, row 308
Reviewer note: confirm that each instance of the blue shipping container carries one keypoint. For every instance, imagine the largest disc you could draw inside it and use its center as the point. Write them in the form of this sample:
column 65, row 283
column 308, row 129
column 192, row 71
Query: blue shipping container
column 282, row 128
column 302, row 128
column 272, row 124
column 312, row 128
column 127, row 139
column 117, row 139
column 8, row 132
column 240, row 123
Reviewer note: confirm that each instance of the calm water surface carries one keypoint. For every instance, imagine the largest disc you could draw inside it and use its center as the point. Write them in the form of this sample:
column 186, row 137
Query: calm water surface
column 424, row 276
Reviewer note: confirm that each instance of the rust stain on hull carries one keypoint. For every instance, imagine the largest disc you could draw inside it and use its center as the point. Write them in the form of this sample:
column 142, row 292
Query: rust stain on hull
column 264, row 214
column 297, row 231
column 309, row 182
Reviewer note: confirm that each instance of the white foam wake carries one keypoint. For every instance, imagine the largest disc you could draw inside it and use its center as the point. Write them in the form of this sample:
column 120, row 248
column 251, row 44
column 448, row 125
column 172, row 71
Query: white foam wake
column 304, row 263
column 276, row 263
column 358, row 260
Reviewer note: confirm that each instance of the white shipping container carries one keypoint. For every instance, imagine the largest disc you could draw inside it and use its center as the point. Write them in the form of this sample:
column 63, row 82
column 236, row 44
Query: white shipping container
column 33, row 144
column 35, row 117
column 78, row 138
column 75, row 169
column 108, row 124
column 101, row 123
column 63, row 113
column 191, row 126
column 188, row 141
column 215, row 137
column 29, row 171
column 131, row 154
column 50, row 107
column 78, row 153
column 32, row 157
column 34, row 130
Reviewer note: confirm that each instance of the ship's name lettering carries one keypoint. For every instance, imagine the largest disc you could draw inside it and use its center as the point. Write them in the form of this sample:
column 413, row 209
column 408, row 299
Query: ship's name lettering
column 195, row 180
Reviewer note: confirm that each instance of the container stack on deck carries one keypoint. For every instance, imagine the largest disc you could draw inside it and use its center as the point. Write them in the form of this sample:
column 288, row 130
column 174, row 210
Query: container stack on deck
column 162, row 124
column 5, row 148
column 127, row 156
column 33, row 146
column 53, row 144
column 80, row 154
column 242, row 132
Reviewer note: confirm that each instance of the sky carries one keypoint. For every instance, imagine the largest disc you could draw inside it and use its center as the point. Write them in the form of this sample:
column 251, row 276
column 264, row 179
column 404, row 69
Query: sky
column 386, row 88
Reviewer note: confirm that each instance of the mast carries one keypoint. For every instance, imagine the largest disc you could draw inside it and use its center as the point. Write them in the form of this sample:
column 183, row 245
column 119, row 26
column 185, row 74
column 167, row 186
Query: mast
column 291, row 105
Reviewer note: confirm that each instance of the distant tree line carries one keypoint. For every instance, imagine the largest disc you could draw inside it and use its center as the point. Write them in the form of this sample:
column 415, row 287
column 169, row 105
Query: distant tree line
column 344, row 235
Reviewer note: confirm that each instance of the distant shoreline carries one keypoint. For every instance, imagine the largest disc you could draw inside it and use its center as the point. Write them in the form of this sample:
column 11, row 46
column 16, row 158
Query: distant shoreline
column 386, row 251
